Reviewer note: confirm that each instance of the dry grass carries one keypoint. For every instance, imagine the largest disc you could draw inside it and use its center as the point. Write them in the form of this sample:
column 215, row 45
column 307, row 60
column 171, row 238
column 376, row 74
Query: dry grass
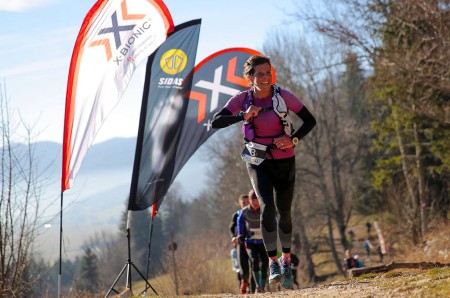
column 202, row 266
column 435, row 247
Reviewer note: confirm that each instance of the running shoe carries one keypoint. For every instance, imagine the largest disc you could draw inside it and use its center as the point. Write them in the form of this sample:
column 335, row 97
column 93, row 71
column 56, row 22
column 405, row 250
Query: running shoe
column 287, row 279
column 243, row 288
column 275, row 275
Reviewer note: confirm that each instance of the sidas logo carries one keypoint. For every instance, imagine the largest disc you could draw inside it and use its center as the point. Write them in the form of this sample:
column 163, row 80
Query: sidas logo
column 172, row 62
column 170, row 82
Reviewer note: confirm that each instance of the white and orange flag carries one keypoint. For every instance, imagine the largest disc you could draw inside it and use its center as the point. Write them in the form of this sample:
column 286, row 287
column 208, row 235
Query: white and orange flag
column 116, row 35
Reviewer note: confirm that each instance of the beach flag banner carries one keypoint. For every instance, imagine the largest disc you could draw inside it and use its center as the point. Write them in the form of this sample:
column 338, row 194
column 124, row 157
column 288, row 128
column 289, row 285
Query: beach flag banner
column 115, row 36
column 163, row 109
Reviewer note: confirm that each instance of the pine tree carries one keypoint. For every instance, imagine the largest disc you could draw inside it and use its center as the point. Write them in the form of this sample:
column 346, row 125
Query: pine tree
column 88, row 274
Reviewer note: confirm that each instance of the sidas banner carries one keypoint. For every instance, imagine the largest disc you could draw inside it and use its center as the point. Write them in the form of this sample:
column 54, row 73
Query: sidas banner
column 162, row 113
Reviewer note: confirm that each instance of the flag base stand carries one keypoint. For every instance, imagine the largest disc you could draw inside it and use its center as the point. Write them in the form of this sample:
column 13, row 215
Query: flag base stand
column 128, row 265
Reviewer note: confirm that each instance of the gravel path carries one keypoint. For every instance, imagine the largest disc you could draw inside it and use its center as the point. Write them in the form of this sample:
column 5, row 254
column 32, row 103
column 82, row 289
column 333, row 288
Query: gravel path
column 413, row 283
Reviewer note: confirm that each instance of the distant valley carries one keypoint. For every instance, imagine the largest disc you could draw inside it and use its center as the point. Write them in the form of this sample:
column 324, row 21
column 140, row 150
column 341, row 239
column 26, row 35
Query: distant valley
column 99, row 195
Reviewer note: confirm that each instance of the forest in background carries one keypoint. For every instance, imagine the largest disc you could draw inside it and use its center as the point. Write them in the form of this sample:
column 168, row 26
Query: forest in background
column 376, row 77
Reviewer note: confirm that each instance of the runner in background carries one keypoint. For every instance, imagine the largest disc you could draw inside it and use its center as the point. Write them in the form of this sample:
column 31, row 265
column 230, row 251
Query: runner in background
column 242, row 257
column 249, row 230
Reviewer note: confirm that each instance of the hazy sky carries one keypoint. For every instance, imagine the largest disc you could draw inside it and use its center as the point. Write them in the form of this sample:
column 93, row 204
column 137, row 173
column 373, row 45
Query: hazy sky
column 37, row 38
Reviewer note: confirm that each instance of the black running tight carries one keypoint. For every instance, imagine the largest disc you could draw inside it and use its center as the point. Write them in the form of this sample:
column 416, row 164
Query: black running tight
column 273, row 181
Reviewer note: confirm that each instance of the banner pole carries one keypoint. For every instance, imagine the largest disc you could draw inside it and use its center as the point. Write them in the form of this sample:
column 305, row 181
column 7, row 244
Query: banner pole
column 150, row 236
column 60, row 244
column 128, row 281
column 127, row 267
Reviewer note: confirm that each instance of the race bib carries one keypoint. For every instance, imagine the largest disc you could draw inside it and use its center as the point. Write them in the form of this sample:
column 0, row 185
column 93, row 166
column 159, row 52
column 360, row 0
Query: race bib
column 255, row 234
column 254, row 153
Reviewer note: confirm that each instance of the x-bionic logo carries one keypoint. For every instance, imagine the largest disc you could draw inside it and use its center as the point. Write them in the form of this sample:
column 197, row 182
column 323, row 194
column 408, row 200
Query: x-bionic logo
column 115, row 30
column 216, row 87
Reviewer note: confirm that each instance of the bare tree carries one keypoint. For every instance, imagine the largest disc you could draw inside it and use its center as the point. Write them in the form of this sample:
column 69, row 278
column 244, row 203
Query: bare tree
column 19, row 203
column 228, row 177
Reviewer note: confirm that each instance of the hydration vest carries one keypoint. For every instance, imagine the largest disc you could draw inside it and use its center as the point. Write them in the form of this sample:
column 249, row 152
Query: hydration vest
column 279, row 107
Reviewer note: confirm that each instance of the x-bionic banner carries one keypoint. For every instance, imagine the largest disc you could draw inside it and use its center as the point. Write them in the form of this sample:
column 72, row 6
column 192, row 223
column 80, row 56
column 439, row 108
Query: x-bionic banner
column 116, row 35
column 176, row 126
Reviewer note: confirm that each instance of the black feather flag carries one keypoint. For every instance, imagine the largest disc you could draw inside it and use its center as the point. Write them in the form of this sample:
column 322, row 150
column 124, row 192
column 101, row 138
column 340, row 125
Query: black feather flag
column 175, row 124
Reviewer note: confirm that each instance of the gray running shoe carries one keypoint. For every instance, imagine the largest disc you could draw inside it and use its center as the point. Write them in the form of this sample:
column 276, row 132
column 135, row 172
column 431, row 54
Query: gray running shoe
column 275, row 275
column 286, row 272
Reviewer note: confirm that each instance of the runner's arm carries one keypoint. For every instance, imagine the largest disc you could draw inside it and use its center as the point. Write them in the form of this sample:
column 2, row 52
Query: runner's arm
column 233, row 225
column 308, row 123
column 241, row 226
column 225, row 118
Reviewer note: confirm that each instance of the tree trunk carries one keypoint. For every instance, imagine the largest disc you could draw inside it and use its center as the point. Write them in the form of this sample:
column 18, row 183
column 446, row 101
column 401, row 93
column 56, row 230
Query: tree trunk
column 420, row 181
column 392, row 265
column 308, row 266
column 336, row 259
column 340, row 204
column 409, row 184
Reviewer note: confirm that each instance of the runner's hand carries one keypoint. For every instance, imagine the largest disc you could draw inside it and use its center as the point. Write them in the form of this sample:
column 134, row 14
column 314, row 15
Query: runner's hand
column 283, row 142
column 252, row 111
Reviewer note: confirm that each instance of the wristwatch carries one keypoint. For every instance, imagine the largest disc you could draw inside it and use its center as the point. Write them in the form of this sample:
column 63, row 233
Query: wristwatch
column 295, row 141
column 241, row 114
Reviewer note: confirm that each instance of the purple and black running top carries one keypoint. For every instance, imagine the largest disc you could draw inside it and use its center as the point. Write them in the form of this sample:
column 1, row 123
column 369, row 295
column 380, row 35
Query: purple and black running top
column 267, row 124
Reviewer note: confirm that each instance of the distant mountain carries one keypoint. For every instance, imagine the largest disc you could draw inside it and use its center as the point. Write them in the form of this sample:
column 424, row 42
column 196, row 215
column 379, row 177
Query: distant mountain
column 99, row 195
column 114, row 153
column 111, row 154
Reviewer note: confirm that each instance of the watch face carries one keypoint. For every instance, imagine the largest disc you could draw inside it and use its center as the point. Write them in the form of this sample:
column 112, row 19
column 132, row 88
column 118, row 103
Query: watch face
column 295, row 141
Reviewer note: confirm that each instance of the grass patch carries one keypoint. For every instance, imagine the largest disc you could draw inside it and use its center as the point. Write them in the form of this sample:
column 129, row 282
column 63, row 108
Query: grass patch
column 439, row 273
column 368, row 276
column 427, row 283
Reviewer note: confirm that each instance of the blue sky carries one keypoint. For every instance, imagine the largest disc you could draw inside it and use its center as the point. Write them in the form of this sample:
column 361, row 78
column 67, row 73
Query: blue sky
column 37, row 38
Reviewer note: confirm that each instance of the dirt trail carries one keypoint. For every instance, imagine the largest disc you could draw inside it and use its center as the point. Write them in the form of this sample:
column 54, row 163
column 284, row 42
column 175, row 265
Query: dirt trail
column 405, row 283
